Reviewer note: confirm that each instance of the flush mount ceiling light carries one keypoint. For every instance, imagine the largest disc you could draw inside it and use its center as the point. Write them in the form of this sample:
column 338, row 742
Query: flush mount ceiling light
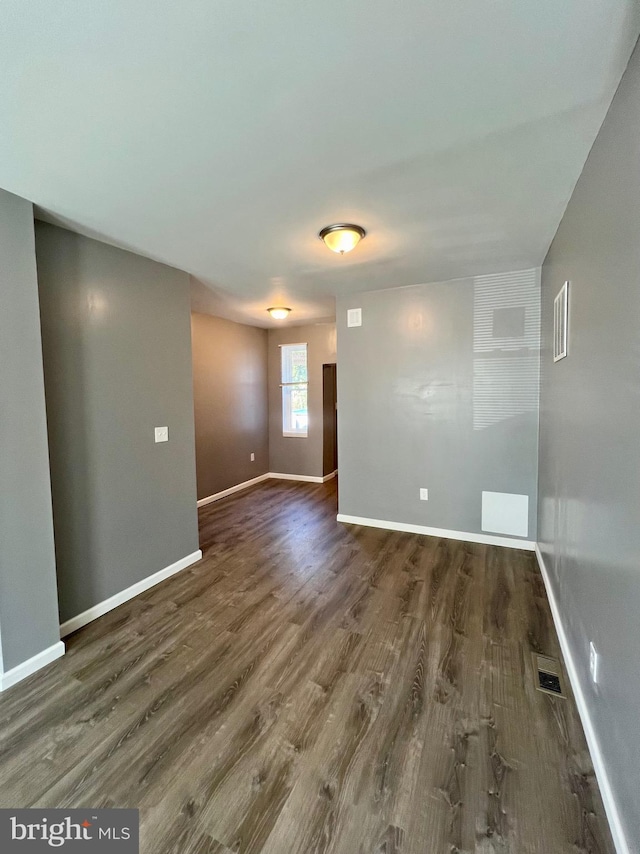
column 278, row 312
column 342, row 237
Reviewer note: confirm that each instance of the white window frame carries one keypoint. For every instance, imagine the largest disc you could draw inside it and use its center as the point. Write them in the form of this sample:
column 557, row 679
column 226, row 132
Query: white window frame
column 289, row 434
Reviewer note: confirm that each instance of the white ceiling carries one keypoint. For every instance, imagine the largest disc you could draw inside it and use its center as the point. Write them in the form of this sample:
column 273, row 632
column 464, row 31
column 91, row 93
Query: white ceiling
column 219, row 136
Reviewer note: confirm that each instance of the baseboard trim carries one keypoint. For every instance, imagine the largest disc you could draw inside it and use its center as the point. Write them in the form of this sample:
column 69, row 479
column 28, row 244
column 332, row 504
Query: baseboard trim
column 31, row 665
column 306, row 478
column 112, row 602
column 467, row 537
column 611, row 808
column 237, row 488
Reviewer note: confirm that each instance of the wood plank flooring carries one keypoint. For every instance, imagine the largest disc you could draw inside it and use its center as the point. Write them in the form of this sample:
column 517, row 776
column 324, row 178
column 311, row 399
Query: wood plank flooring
column 314, row 688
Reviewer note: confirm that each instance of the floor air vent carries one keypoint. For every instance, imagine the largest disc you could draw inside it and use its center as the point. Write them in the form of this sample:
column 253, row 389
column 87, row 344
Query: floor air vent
column 548, row 675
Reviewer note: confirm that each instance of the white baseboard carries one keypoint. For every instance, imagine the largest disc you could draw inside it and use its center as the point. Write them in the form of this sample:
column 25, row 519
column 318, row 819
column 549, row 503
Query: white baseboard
column 611, row 808
column 488, row 539
column 96, row 611
column 237, row 488
column 307, row 478
column 21, row 671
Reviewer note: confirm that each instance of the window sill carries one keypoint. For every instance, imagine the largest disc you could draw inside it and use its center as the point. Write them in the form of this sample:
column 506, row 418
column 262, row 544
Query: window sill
column 295, row 435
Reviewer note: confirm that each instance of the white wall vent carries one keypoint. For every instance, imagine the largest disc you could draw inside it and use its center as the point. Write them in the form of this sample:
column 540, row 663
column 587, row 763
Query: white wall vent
column 505, row 513
column 354, row 317
column 560, row 323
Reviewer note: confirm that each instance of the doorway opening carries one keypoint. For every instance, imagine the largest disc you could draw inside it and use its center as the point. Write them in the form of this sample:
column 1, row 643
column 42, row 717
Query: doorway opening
column 330, row 419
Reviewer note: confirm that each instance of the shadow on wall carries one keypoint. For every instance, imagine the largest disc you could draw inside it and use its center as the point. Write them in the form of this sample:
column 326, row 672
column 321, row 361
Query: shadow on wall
column 72, row 481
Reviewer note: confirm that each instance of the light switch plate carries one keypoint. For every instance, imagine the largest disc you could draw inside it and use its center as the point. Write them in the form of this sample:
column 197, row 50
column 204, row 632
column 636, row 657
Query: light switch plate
column 354, row 317
column 253, row 458
column 424, row 494
column 162, row 434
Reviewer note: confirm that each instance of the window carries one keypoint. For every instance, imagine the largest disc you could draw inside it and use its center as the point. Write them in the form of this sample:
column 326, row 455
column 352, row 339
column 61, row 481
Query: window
column 295, row 417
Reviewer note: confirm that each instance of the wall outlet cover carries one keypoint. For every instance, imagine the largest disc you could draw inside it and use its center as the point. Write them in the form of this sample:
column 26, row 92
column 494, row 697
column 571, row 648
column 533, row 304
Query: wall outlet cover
column 354, row 317
column 162, row 434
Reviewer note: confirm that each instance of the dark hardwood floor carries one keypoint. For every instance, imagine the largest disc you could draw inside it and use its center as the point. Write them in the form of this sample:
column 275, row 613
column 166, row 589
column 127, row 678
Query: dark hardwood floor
column 312, row 687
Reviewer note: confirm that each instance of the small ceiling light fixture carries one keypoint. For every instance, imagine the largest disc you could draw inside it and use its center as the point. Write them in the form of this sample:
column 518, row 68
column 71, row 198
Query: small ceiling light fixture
column 279, row 312
column 342, row 237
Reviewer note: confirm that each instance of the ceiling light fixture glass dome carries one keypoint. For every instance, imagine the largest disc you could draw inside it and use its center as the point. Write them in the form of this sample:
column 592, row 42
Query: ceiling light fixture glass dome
column 342, row 237
column 279, row 312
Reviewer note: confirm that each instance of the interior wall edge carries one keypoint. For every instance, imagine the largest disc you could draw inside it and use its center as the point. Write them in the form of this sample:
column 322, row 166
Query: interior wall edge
column 611, row 808
column 438, row 389
column 229, row 369
column 304, row 478
column 298, row 455
column 202, row 502
column 77, row 622
column 31, row 665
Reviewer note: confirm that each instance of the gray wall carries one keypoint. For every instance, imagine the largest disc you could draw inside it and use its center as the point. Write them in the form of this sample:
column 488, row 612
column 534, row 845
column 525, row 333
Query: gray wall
column 230, row 399
column 117, row 357
column 439, row 389
column 589, row 528
column 298, row 455
column 28, row 601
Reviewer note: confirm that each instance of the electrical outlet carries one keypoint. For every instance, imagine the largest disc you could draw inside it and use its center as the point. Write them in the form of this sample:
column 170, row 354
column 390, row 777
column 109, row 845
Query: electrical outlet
column 594, row 660
column 162, row 434
column 424, row 494
column 253, row 458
